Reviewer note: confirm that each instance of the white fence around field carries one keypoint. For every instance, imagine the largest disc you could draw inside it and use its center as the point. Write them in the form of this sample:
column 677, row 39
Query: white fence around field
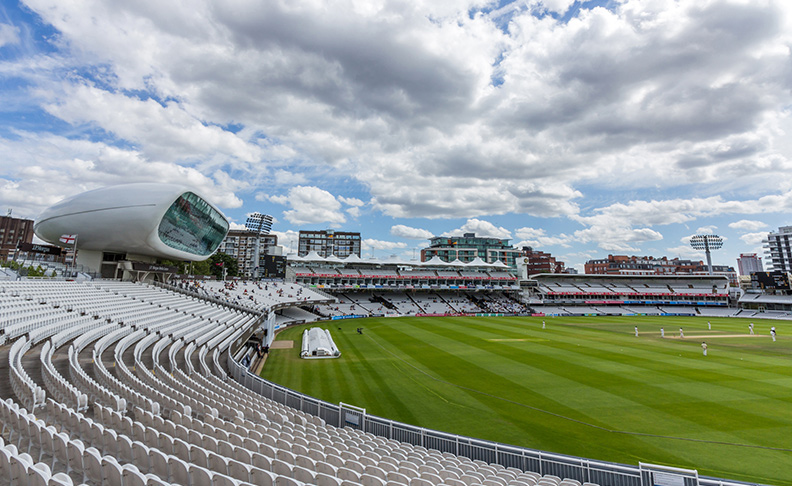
column 581, row 469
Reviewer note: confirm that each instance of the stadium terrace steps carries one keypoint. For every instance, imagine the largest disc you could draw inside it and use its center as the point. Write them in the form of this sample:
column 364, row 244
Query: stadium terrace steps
column 163, row 411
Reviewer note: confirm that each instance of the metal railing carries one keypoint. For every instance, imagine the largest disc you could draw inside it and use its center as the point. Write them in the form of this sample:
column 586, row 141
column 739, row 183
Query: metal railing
column 206, row 296
column 584, row 470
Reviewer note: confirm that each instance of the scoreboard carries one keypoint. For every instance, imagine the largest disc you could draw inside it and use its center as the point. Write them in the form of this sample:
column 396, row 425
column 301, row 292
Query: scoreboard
column 274, row 266
column 770, row 280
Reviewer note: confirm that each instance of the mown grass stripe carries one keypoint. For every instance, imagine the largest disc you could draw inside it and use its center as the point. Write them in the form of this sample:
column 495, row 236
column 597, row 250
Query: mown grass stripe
column 580, row 367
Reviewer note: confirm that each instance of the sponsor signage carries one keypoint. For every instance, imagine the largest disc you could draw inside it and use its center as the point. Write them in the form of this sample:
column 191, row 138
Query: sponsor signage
column 667, row 479
column 44, row 249
column 150, row 267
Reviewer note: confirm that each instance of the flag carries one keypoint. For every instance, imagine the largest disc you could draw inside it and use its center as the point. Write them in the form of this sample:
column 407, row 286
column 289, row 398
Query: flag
column 68, row 239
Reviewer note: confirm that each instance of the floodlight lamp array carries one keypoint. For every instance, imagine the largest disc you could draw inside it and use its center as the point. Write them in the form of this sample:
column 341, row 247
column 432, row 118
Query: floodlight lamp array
column 706, row 242
column 260, row 223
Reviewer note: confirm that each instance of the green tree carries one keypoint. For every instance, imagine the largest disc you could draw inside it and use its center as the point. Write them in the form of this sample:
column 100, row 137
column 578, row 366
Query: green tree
column 35, row 271
column 220, row 261
column 12, row 265
column 212, row 266
column 182, row 267
column 201, row 268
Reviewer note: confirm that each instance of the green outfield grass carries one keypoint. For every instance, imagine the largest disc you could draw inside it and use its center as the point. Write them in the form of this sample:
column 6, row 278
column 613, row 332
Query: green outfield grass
column 585, row 386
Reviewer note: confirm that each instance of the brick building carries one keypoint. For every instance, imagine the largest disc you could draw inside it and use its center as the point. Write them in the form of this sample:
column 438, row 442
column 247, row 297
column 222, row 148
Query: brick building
column 12, row 232
column 641, row 265
column 537, row 262
column 648, row 265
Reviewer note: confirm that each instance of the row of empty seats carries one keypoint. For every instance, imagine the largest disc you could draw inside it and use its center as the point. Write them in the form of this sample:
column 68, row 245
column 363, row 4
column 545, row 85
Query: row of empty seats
column 162, row 410
column 392, row 273
column 256, row 295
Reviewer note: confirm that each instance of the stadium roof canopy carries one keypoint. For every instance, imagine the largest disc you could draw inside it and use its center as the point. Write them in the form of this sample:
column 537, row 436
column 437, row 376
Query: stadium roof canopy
column 159, row 220
column 435, row 261
column 312, row 256
column 765, row 299
column 607, row 276
column 478, row 262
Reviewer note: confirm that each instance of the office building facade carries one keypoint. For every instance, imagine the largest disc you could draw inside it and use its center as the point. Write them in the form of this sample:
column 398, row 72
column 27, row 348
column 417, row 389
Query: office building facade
column 14, row 231
column 778, row 252
column 749, row 263
column 329, row 242
column 468, row 247
column 241, row 245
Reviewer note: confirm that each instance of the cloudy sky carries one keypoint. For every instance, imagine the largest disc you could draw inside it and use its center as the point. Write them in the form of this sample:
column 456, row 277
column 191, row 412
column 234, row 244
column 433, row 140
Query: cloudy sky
column 579, row 128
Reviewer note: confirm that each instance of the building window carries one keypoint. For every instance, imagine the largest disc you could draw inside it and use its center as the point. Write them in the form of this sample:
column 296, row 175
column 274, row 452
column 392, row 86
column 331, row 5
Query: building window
column 193, row 226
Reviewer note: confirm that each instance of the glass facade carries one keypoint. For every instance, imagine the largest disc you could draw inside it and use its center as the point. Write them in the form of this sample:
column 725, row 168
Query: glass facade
column 329, row 242
column 469, row 247
column 193, row 226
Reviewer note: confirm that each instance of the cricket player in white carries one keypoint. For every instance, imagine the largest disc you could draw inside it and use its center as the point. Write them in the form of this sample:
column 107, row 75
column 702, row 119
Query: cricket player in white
column 662, row 332
column 750, row 328
column 681, row 333
column 636, row 331
column 704, row 348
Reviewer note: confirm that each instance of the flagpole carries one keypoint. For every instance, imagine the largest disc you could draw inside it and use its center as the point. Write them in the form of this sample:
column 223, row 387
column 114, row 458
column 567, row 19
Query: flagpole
column 74, row 258
column 67, row 239
column 66, row 275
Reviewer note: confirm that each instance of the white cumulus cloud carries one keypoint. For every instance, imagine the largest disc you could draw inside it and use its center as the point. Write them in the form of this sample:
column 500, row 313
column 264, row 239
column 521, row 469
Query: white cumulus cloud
column 37, row 170
column 372, row 244
column 753, row 238
column 9, row 34
column 706, row 230
column 410, row 233
column 310, row 205
column 537, row 237
column 481, row 228
column 748, row 225
column 427, row 109
column 351, row 201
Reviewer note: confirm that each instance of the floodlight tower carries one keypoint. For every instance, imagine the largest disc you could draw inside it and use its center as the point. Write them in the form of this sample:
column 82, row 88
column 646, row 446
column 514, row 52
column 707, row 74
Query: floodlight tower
column 261, row 224
column 707, row 243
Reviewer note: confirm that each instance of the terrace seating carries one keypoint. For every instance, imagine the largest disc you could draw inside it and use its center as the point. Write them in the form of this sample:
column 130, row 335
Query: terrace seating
column 583, row 309
column 717, row 311
column 404, row 304
column 497, row 302
column 551, row 310
column 260, row 296
column 341, row 309
column 295, row 314
column 650, row 310
column 678, row 310
column 433, row 304
column 166, row 412
column 459, row 304
column 378, row 272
